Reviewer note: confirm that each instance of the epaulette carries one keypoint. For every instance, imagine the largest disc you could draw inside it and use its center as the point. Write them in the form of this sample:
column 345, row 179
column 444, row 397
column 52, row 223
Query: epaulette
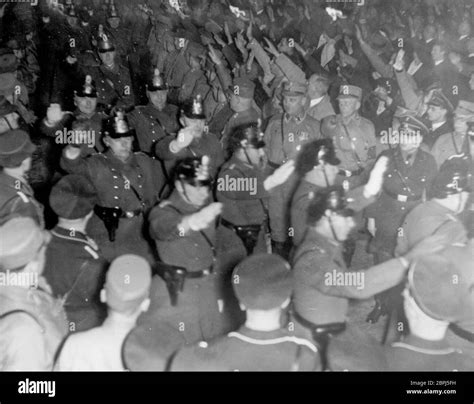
column 164, row 204
column 140, row 153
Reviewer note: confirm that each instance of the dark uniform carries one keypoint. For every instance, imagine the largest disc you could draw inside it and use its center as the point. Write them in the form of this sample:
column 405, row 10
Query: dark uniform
column 264, row 283
column 131, row 186
column 16, row 196
column 152, row 125
column 74, row 267
column 404, row 187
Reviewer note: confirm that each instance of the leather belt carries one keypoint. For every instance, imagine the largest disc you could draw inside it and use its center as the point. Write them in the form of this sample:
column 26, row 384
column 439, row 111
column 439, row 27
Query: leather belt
column 331, row 327
column 198, row 274
column 232, row 226
column 131, row 214
column 403, row 198
column 273, row 165
column 462, row 333
column 349, row 173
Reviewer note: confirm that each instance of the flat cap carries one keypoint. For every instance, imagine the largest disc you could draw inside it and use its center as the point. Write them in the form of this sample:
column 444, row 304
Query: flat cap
column 262, row 281
column 73, row 197
column 347, row 90
column 414, row 123
column 22, row 239
column 15, row 146
column 127, row 282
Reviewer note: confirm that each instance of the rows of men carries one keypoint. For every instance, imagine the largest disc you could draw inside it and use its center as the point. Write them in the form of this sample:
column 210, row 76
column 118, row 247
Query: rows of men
column 214, row 227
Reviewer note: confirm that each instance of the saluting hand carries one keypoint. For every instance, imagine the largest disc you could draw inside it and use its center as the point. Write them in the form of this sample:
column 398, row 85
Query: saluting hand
column 205, row 217
column 374, row 185
column 280, row 175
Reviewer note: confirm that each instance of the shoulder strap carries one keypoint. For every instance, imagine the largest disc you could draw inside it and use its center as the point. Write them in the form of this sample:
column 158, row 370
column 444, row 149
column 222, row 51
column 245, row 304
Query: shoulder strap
column 18, row 311
column 57, row 354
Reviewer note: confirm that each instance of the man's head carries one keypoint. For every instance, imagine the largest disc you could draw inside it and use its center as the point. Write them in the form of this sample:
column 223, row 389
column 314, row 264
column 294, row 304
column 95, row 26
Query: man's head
column 449, row 273
column 118, row 136
column 411, row 130
column 192, row 114
column 193, row 181
column 349, row 100
column 294, row 98
column 247, row 142
column 113, row 18
column 157, row 91
column 241, row 94
column 85, row 97
column 318, row 86
column 106, row 51
column 463, row 114
column 73, row 198
column 429, row 32
column 127, row 285
column 317, row 162
column 329, row 214
column 23, row 246
column 438, row 107
column 72, row 17
column 438, row 52
column 263, row 282
column 451, row 185
column 16, row 150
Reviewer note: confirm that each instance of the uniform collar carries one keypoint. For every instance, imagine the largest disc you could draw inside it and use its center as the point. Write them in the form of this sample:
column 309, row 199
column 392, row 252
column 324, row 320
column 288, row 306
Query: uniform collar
column 12, row 181
column 178, row 202
column 418, row 342
column 61, row 232
column 117, row 163
column 297, row 118
column 261, row 335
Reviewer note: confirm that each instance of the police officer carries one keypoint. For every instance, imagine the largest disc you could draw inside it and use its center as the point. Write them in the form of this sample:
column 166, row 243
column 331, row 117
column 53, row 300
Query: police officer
column 127, row 184
column 263, row 285
column 74, row 266
column 114, row 86
column 32, row 322
column 285, row 135
column 243, row 188
column 353, row 136
column 157, row 119
column 86, row 118
column 447, row 196
column 457, row 142
column 193, row 261
column 16, row 195
column 193, row 139
column 409, row 175
column 118, row 33
column 323, row 284
column 429, row 315
column 241, row 102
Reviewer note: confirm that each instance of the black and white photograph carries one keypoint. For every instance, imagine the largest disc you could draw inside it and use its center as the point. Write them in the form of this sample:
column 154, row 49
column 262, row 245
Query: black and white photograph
column 213, row 187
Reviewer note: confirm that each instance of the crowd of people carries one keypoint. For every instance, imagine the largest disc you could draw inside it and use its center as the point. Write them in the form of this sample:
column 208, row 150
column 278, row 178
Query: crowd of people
column 183, row 184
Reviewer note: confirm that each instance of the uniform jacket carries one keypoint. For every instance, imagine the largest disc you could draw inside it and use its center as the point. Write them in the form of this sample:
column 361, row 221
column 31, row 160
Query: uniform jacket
column 285, row 136
column 318, row 297
column 116, row 182
column 416, row 354
column 250, row 350
column 362, row 135
column 448, row 145
column 242, row 206
column 239, row 118
column 28, row 342
column 76, row 272
column 152, row 125
column 207, row 145
column 114, row 88
column 430, row 139
column 17, row 199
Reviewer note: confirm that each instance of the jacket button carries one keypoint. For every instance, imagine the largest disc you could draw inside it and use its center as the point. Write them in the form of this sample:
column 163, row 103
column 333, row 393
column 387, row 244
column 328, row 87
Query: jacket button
column 116, row 197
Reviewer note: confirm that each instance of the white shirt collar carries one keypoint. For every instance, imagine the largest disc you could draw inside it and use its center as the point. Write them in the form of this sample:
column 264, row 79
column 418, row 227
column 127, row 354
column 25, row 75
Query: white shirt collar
column 437, row 125
column 316, row 101
column 439, row 62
